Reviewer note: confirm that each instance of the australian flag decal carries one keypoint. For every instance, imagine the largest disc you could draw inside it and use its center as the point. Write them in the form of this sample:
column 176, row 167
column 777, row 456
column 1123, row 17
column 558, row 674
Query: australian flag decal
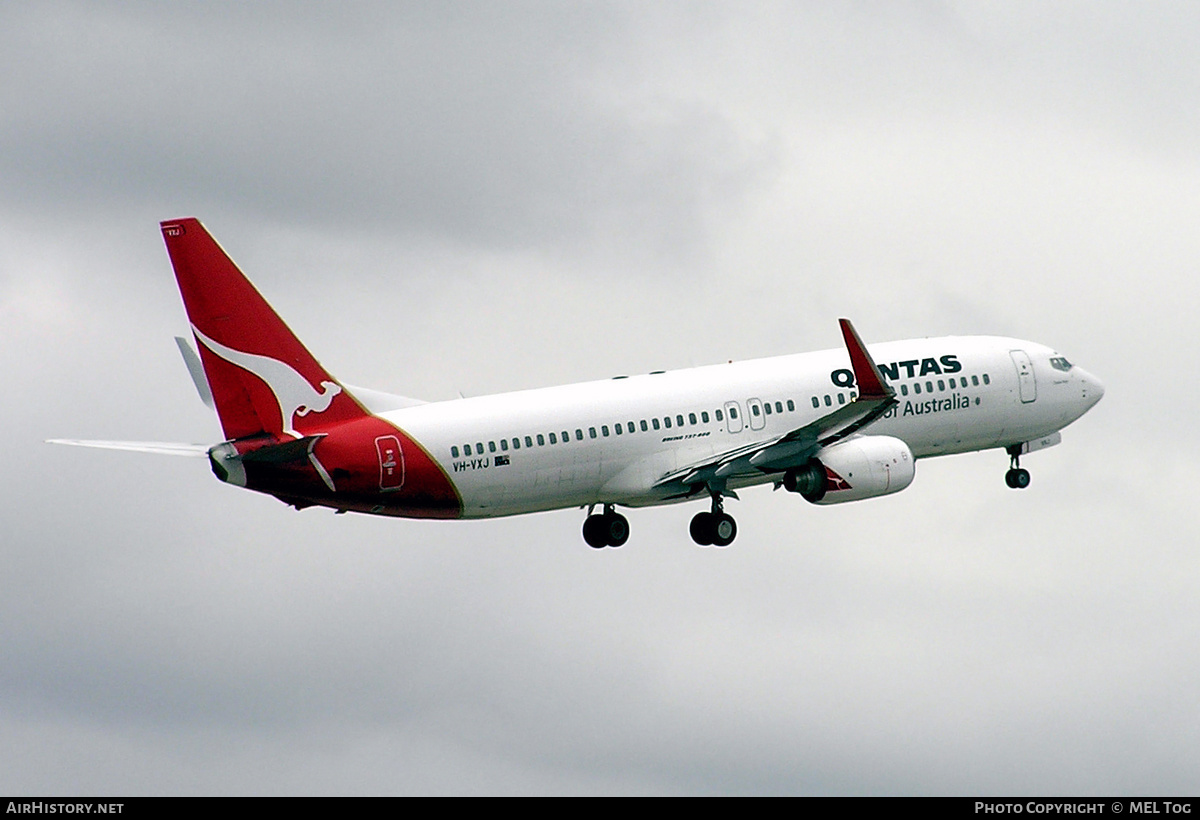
column 501, row 461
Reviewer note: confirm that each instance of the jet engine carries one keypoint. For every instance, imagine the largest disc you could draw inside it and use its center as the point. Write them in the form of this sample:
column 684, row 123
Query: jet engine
column 862, row 467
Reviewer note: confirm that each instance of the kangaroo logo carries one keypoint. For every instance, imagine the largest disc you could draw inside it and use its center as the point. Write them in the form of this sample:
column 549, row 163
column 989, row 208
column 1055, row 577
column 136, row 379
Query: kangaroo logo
column 836, row 482
column 292, row 391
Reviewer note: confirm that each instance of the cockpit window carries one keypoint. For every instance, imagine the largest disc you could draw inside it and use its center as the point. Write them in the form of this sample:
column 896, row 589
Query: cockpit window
column 1060, row 363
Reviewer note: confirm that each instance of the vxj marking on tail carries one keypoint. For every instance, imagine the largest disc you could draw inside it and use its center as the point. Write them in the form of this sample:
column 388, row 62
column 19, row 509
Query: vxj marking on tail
column 296, row 397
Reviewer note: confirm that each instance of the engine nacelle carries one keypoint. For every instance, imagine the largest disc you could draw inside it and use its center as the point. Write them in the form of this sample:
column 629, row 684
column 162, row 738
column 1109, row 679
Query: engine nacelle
column 853, row 469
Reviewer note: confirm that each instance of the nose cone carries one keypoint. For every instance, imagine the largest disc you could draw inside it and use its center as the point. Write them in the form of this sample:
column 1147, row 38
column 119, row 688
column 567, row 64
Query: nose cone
column 1093, row 388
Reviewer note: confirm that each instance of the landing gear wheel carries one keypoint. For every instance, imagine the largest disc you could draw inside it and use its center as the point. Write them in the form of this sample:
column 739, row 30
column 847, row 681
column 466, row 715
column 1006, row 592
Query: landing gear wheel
column 724, row 530
column 714, row 528
column 609, row 529
column 594, row 532
column 616, row 529
column 1017, row 478
column 701, row 528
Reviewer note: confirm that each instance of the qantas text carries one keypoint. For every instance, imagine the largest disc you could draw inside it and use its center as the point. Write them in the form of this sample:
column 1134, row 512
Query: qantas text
column 912, row 368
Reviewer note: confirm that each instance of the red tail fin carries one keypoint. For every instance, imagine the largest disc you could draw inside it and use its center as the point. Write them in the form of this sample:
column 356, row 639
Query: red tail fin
column 263, row 379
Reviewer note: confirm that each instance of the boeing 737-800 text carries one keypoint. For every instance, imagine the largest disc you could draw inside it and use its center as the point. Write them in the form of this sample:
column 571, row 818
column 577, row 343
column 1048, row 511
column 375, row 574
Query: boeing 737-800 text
column 833, row 426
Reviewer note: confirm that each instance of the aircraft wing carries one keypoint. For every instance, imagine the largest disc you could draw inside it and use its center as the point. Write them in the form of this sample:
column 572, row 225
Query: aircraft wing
column 795, row 447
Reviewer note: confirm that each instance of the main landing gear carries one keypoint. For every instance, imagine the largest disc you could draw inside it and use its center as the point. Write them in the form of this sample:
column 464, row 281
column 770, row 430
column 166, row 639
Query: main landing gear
column 607, row 529
column 716, row 528
column 1016, row 477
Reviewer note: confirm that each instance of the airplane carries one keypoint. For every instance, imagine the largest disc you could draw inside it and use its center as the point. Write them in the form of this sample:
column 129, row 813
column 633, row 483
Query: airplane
column 831, row 426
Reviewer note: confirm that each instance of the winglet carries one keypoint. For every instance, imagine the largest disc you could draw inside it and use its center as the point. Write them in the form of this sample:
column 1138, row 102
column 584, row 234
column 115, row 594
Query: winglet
column 866, row 374
column 196, row 369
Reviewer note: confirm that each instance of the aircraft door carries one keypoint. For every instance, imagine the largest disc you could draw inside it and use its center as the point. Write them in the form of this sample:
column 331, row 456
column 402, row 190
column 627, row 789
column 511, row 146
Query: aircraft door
column 733, row 417
column 391, row 463
column 1025, row 375
column 755, row 410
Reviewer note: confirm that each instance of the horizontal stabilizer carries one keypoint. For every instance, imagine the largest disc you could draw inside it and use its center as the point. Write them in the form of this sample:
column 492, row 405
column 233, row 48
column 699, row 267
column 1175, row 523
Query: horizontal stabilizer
column 284, row 453
column 376, row 401
column 162, row 448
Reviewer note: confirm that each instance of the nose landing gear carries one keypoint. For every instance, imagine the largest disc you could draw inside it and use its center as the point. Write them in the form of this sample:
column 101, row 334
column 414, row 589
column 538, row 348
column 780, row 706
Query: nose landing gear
column 608, row 529
column 1016, row 477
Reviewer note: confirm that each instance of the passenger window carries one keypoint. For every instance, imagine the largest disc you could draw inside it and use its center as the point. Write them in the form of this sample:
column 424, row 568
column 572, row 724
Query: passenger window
column 479, row 447
column 591, row 432
column 491, row 446
column 655, row 423
column 692, row 418
column 732, row 412
column 566, row 437
column 679, row 420
column 828, row 401
column 928, row 387
column 791, row 406
column 704, row 416
column 542, row 441
column 454, row 451
column 667, row 422
column 975, row 380
column 579, row 433
column 986, row 380
column 778, row 407
column 754, row 410
column 952, row 383
column 904, row 390
column 841, row 398
column 644, row 425
column 529, row 441
column 517, row 443
column 553, row 438
column 941, row 385
column 720, row 415
column 504, row 444
column 917, row 388
column 816, row 402
column 767, row 407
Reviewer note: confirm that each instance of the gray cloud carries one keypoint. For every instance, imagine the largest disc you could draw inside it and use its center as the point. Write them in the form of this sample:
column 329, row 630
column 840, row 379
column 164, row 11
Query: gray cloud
column 470, row 123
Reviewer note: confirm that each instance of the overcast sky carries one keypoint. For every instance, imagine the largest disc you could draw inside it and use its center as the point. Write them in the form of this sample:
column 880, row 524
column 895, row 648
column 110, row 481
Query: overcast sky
column 477, row 197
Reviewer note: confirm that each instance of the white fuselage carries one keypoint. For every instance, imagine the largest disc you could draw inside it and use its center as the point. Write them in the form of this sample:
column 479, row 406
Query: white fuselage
column 506, row 453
